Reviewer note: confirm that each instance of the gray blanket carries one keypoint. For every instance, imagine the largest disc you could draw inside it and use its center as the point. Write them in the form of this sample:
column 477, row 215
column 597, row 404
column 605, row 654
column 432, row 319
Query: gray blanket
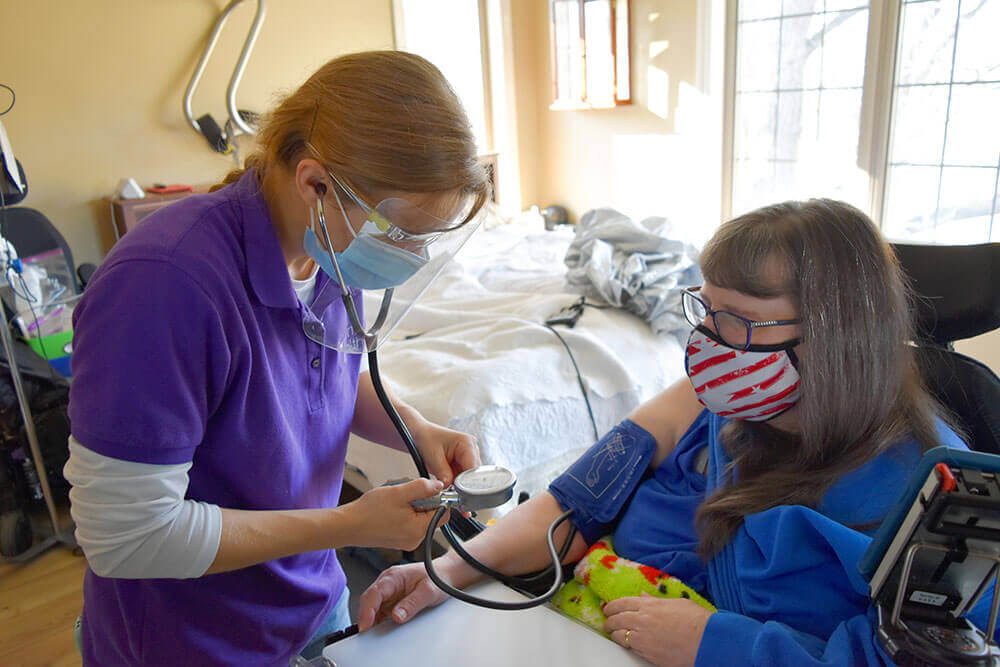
column 635, row 266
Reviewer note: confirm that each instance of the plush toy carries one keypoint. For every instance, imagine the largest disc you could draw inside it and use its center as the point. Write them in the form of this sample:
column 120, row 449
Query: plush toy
column 602, row 576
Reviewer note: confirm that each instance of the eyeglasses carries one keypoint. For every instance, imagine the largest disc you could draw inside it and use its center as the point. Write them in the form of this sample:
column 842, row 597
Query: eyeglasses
column 733, row 329
column 393, row 217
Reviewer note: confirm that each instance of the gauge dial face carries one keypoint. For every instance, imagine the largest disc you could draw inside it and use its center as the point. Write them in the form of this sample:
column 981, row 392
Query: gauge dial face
column 485, row 480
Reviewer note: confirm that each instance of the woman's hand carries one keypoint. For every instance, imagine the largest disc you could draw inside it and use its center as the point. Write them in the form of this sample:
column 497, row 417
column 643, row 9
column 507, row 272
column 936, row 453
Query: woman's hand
column 401, row 592
column 446, row 452
column 664, row 632
column 383, row 517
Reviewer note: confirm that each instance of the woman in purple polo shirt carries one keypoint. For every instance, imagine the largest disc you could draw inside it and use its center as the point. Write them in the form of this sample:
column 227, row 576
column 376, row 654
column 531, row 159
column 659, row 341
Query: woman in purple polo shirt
column 209, row 430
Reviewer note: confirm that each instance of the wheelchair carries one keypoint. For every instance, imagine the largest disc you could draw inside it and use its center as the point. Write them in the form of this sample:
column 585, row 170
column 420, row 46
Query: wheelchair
column 937, row 554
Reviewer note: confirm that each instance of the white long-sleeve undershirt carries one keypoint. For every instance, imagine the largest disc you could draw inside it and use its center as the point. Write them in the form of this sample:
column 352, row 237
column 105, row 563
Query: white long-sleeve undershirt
column 132, row 520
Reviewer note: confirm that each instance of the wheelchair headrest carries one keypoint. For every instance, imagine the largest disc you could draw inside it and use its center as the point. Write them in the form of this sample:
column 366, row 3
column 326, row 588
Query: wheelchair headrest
column 957, row 289
column 30, row 231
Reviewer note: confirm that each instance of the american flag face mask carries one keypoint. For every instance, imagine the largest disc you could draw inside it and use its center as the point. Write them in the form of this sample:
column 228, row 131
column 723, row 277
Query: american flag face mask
column 752, row 385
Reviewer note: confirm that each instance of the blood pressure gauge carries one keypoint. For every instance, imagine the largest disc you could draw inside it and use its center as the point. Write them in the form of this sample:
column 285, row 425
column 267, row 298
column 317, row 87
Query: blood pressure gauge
column 475, row 489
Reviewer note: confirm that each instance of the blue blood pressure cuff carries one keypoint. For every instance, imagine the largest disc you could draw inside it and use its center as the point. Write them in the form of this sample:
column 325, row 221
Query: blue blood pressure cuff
column 597, row 486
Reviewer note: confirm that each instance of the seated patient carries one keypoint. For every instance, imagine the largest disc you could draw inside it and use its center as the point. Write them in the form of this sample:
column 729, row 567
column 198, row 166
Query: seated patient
column 760, row 478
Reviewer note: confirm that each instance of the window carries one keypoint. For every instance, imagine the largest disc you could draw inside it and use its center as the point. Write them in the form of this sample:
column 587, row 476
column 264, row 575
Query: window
column 887, row 104
column 798, row 100
column 944, row 155
column 449, row 33
column 470, row 41
column 590, row 53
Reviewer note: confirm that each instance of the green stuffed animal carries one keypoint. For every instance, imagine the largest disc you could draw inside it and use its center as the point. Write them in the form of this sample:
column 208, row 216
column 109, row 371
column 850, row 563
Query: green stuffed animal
column 602, row 576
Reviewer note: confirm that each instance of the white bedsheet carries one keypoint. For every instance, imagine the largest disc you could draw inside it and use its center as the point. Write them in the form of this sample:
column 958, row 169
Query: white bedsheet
column 481, row 361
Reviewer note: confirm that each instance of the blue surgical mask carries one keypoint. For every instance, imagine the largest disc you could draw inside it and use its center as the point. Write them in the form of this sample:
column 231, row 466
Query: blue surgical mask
column 367, row 263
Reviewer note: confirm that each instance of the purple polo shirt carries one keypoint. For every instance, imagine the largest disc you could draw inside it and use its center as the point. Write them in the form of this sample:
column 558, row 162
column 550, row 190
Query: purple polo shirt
column 189, row 346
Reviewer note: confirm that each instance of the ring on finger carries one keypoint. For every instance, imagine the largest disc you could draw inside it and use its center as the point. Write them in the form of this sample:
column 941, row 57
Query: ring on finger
column 628, row 636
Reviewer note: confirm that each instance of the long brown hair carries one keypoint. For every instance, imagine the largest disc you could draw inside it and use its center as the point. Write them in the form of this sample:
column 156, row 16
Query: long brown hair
column 382, row 121
column 860, row 389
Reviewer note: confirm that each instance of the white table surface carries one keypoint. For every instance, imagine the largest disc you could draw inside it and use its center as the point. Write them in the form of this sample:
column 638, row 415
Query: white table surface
column 456, row 633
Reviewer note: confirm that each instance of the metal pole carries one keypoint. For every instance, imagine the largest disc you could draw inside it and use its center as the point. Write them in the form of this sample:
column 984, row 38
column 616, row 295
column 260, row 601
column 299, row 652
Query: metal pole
column 241, row 64
column 234, row 81
column 29, row 427
column 994, row 605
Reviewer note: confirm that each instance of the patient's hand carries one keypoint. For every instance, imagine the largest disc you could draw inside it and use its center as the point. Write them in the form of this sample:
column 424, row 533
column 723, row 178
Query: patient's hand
column 401, row 592
column 663, row 631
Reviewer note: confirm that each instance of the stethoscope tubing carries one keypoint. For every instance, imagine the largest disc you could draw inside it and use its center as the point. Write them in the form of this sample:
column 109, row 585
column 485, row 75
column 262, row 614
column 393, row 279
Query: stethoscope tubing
column 493, row 604
column 404, row 433
column 512, row 581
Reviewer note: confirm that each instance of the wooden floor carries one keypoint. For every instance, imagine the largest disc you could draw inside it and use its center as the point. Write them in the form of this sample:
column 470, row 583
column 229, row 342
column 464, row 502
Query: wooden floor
column 39, row 602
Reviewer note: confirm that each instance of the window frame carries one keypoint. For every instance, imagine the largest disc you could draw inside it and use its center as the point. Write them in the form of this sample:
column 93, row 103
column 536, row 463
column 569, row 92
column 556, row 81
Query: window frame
column 877, row 112
column 499, row 154
column 482, row 9
column 622, row 93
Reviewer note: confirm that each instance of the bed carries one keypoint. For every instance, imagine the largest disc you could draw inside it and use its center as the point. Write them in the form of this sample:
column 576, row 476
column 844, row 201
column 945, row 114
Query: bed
column 473, row 355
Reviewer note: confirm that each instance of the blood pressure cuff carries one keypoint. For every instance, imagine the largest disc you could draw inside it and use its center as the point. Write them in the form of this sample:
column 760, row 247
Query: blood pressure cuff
column 597, row 486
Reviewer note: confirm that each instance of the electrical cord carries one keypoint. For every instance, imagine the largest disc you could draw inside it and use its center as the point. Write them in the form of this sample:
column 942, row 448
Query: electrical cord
column 572, row 358
column 579, row 379
column 579, row 376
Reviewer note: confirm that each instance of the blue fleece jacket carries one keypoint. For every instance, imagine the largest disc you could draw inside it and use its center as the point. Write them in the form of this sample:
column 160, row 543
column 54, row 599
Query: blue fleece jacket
column 787, row 585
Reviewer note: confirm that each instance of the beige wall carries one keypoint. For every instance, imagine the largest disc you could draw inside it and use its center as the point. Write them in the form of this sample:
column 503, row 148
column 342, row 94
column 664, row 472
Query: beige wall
column 660, row 155
column 99, row 89
column 985, row 348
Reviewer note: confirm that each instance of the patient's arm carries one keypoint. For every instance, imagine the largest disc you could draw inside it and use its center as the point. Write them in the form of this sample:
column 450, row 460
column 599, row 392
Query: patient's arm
column 667, row 416
column 517, row 543
column 514, row 545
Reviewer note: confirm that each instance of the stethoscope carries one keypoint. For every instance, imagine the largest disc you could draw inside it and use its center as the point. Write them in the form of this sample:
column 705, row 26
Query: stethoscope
column 480, row 488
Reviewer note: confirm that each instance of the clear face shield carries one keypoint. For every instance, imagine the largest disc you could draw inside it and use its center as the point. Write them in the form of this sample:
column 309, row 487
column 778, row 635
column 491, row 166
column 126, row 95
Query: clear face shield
column 399, row 251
